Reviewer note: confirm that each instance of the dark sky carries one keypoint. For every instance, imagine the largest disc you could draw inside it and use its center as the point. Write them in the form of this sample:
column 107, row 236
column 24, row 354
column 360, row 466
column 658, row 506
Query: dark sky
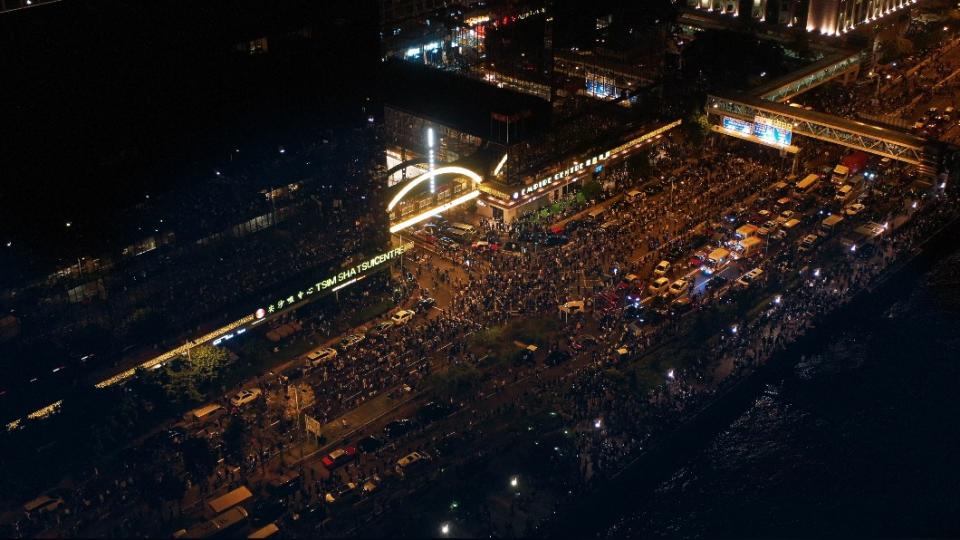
column 105, row 101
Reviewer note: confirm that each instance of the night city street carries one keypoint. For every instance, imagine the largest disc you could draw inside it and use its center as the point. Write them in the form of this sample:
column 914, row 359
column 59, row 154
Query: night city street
column 458, row 269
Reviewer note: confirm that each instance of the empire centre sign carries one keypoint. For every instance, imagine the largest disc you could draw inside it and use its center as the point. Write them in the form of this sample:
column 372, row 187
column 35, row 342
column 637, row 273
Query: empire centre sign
column 341, row 279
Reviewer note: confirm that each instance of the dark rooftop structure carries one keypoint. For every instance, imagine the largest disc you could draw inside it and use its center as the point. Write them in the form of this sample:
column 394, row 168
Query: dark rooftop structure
column 471, row 106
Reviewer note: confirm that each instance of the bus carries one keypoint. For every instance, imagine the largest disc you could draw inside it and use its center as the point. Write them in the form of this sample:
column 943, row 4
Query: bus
column 266, row 532
column 218, row 525
column 807, row 185
column 233, row 498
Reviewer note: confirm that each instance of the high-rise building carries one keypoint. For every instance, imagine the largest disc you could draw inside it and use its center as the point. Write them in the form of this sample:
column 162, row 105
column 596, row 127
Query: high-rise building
column 829, row 17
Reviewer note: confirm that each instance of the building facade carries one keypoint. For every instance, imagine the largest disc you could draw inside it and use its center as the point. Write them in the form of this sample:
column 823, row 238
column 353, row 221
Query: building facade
column 828, row 17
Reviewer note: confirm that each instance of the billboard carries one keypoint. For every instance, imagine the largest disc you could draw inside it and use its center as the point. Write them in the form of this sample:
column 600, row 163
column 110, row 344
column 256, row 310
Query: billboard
column 771, row 131
column 765, row 130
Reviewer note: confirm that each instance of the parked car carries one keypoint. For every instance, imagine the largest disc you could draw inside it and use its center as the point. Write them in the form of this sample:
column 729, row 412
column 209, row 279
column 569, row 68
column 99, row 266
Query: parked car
column 434, row 410
column 350, row 341
column 371, row 484
column 245, row 396
column 381, row 328
column 320, row 356
column 573, row 307
column 662, row 268
column 369, row 444
column 338, row 457
column 398, row 428
column 341, row 493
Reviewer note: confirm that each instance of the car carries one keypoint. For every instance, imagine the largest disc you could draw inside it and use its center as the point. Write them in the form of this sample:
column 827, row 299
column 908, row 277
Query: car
column 320, row 356
column 340, row 493
column 662, row 268
column 573, row 307
column 351, row 340
column 556, row 357
column 584, row 341
column 402, row 317
column 481, row 245
column 697, row 259
column 682, row 304
column 398, row 428
column 176, row 435
column 338, row 457
column 653, row 188
column 555, row 240
column 267, row 511
column 678, row 287
column 381, row 328
column 371, row 484
column 808, row 242
column 447, row 242
column 369, row 444
column 425, row 303
column 435, row 410
column 412, row 461
column 659, row 285
column 512, row 247
column 450, row 443
column 854, row 209
column 747, row 279
column 245, row 396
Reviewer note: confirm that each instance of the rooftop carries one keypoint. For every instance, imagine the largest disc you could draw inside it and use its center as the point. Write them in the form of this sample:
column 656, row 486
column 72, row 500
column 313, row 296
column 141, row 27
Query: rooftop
column 462, row 103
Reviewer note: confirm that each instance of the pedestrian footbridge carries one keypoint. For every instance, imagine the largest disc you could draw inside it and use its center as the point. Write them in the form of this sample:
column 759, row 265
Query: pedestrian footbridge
column 859, row 135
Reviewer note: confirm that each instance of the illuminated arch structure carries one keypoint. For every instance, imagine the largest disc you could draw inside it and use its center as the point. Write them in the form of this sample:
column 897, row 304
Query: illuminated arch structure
column 474, row 178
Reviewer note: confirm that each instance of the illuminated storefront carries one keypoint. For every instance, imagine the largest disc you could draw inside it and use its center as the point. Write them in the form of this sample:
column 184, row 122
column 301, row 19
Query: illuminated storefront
column 506, row 203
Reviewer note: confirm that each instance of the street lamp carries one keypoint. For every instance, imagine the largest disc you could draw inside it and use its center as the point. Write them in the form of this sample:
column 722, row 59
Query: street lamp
column 514, row 481
column 445, row 529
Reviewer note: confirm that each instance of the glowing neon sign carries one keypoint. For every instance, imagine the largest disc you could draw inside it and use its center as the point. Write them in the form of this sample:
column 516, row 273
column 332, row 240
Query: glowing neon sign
column 560, row 175
column 352, row 273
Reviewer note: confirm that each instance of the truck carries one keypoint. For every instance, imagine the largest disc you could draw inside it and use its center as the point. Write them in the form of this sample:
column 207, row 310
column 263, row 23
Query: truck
column 829, row 224
column 750, row 245
column 747, row 230
column 806, row 185
column 855, row 162
column 716, row 260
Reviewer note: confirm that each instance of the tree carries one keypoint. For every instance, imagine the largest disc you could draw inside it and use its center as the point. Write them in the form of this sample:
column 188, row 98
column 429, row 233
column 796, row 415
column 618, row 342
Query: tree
column 206, row 362
column 456, row 382
column 695, row 129
column 198, row 459
column 235, row 442
column 591, row 189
